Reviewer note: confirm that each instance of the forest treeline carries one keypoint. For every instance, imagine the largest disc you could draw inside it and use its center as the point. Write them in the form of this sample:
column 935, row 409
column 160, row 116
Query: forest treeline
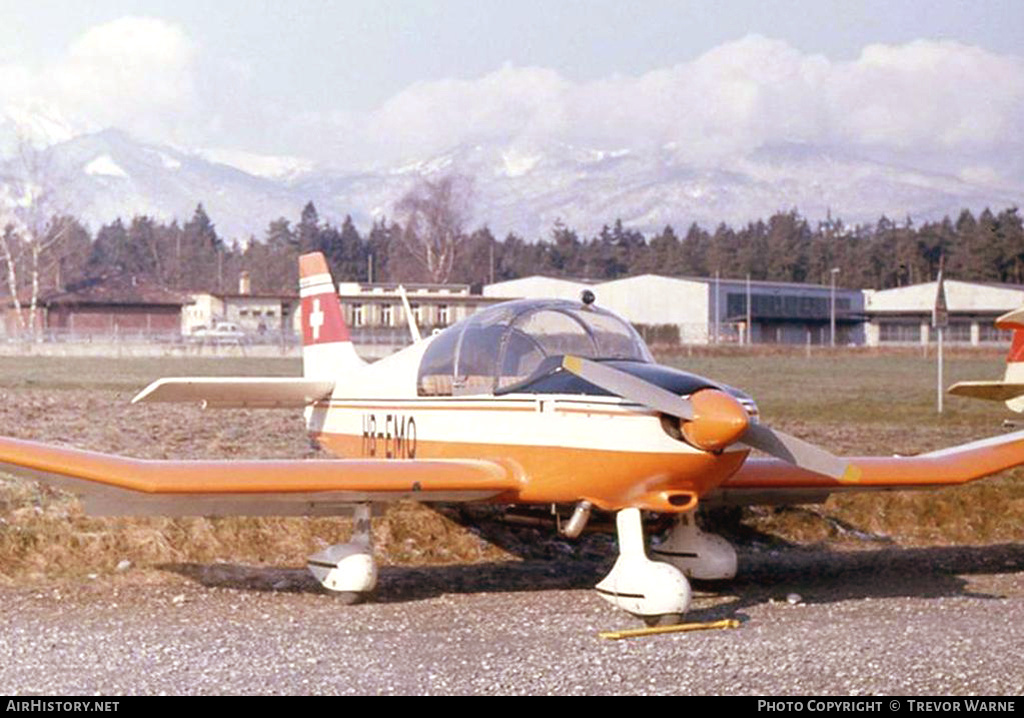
column 786, row 247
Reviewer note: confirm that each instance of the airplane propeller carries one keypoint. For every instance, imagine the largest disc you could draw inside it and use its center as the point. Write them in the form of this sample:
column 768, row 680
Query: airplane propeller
column 711, row 420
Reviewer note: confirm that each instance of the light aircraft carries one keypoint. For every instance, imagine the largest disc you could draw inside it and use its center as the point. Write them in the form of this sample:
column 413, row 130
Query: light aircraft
column 1011, row 389
column 528, row 402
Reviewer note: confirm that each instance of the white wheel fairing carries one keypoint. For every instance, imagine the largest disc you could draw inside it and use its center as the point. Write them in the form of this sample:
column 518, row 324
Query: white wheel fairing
column 699, row 555
column 348, row 567
column 344, row 567
column 646, row 588
column 638, row 585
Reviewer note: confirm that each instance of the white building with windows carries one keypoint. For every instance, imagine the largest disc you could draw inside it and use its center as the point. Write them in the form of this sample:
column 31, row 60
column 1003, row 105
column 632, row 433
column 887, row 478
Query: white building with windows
column 903, row 315
column 373, row 306
column 271, row 315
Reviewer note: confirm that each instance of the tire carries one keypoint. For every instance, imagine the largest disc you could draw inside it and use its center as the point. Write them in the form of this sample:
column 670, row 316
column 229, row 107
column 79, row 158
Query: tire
column 665, row 619
column 347, row 598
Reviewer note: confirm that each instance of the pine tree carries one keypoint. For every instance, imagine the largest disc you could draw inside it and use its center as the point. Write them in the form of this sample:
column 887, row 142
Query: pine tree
column 664, row 255
column 308, row 230
column 563, row 254
column 108, row 250
column 694, row 252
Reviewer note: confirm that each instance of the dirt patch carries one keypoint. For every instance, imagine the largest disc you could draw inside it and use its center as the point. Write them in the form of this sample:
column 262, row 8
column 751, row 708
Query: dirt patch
column 43, row 533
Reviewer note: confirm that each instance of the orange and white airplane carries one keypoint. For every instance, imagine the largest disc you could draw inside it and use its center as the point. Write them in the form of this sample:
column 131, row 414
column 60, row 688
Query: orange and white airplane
column 1011, row 389
column 527, row 402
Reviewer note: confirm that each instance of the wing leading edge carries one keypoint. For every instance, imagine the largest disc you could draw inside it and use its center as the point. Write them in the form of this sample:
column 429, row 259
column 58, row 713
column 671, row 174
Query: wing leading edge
column 116, row 485
column 769, row 481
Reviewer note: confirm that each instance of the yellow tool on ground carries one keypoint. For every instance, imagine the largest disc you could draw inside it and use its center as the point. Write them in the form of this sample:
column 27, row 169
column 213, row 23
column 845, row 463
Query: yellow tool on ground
column 678, row 628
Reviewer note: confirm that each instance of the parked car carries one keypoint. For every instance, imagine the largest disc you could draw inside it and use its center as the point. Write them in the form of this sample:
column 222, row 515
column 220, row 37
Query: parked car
column 219, row 333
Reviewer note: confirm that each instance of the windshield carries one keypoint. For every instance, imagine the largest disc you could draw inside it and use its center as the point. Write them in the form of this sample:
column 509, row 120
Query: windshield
column 504, row 345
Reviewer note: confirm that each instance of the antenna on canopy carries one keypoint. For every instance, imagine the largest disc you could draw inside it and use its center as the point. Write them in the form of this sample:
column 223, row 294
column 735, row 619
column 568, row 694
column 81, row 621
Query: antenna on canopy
column 413, row 328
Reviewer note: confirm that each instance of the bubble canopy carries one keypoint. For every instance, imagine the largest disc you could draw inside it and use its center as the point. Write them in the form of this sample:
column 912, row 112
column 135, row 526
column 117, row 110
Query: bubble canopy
column 505, row 344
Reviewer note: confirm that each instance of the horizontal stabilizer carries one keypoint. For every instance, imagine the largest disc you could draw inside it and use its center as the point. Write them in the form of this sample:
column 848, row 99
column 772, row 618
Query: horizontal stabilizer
column 991, row 390
column 238, row 392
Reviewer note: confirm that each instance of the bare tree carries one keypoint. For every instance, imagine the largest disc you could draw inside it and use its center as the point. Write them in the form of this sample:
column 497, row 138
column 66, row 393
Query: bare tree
column 9, row 247
column 33, row 201
column 433, row 215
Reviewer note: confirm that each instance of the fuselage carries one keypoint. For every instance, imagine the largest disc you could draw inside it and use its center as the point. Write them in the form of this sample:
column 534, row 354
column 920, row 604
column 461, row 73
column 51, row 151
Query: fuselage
column 561, row 446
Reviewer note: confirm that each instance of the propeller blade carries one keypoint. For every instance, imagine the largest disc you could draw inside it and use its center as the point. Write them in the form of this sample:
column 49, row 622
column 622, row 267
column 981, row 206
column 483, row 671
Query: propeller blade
column 775, row 443
column 799, row 452
column 629, row 387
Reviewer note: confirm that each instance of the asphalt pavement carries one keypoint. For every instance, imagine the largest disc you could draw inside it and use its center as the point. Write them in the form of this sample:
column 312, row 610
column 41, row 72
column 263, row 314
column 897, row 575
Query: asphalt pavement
column 895, row 621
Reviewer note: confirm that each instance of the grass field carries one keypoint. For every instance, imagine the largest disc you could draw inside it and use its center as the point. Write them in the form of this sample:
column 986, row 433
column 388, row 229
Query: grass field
column 853, row 403
column 860, row 403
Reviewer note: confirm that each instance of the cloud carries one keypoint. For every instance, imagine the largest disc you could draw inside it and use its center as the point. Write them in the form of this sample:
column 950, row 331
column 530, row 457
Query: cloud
column 135, row 73
column 938, row 102
column 524, row 101
column 925, row 98
column 933, row 94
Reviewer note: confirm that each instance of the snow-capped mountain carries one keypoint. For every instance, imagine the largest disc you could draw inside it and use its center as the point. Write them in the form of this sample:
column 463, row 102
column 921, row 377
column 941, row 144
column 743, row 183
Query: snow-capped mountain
column 108, row 174
column 518, row 187
column 36, row 123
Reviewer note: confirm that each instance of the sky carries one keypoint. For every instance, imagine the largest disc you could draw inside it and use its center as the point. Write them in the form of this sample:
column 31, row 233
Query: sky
column 356, row 83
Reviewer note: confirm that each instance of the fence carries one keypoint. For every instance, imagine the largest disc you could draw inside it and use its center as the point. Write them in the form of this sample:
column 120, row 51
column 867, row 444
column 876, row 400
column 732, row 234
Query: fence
column 142, row 336
column 372, row 342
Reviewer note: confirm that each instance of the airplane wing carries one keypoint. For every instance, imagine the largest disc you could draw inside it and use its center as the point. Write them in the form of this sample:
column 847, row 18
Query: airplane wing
column 115, row 485
column 237, row 392
column 991, row 390
column 770, row 481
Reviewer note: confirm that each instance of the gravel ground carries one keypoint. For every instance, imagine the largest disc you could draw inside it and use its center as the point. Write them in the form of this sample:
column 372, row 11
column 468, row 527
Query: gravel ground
column 936, row 621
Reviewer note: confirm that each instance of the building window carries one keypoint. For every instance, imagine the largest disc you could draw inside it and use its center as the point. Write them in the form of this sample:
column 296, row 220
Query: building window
column 958, row 332
column 416, row 314
column 357, row 315
column 988, row 333
column 897, row 333
column 386, row 313
column 442, row 314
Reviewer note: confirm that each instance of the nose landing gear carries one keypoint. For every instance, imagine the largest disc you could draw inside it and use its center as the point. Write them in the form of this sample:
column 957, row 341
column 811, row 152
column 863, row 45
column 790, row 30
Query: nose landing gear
column 655, row 591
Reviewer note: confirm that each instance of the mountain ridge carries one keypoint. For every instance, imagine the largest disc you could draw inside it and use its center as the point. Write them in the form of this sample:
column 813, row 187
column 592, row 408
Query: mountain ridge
column 519, row 188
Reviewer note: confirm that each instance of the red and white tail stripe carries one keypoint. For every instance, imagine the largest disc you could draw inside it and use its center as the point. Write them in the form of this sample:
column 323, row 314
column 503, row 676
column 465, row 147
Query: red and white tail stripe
column 326, row 344
column 1014, row 321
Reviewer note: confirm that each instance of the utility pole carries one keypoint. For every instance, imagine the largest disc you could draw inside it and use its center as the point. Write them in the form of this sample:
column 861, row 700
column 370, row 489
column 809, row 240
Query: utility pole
column 750, row 324
column 940, row 320
column 717, row 295
column 832, row 341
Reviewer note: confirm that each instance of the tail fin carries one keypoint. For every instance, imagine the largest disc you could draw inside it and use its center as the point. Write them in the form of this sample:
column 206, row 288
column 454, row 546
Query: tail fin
column 1011, row 389
column 1014, row 375
column 327, row 349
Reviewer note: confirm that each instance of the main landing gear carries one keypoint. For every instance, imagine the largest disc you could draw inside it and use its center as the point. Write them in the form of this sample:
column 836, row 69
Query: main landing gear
column 699, row 555
column 655, row 590
column 658, row 591
column 348, row 569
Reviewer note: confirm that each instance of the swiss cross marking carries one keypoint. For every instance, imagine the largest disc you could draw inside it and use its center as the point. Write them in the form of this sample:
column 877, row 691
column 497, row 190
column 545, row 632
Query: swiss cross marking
column 316, row 319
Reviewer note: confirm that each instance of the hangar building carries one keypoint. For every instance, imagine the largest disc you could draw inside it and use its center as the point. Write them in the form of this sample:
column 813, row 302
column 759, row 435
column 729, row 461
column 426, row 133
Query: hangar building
column 708, row 310
column 903, row 315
